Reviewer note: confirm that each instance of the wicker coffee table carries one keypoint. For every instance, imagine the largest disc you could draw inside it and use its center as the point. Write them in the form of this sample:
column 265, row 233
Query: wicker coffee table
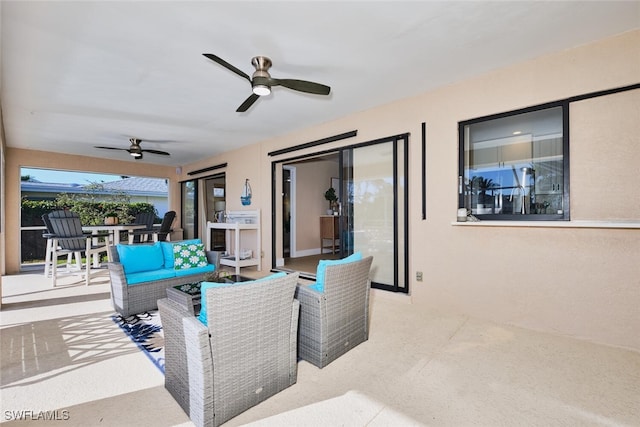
column 188, row 295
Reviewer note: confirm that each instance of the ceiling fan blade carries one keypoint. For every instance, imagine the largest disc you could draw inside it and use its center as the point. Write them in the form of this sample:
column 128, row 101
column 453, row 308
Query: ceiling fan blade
column 162, row 153
column 302, row 86
column 247, row 103
column 110, row 148
column 227, row 65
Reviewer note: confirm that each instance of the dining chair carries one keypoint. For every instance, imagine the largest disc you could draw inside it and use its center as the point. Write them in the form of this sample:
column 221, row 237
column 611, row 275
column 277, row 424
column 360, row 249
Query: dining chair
column 68, row 238
column 144, row 234
column 164, row 233
column 48, row 234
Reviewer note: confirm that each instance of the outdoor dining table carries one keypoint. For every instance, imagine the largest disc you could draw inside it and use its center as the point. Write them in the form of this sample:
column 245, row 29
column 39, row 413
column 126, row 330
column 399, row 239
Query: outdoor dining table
column 114, row 234
column 114, row 230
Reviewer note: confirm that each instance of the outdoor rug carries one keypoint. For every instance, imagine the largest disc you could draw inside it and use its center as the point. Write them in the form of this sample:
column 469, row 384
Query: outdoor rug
column 145, row 330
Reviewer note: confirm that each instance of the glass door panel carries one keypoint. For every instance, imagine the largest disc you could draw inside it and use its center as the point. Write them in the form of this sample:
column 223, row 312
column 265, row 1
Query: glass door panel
column 215, row 206
column 189, row 190
column 374, row 212
column 372, row 196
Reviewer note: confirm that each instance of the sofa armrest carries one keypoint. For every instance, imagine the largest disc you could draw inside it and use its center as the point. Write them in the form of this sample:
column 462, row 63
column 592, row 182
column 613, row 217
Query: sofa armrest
column 119, row 292
column 213, row 257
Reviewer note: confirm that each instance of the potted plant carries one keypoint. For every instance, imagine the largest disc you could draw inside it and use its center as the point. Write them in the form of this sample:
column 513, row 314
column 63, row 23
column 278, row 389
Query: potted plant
column 111, row 218
column 331, row 196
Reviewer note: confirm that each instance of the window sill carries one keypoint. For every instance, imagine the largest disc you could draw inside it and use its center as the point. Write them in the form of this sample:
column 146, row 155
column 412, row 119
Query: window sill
column 552, row 224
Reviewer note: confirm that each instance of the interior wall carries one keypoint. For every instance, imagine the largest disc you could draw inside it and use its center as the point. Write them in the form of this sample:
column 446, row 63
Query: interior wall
column 18, row 158
column 313, row 179
column 579, row 282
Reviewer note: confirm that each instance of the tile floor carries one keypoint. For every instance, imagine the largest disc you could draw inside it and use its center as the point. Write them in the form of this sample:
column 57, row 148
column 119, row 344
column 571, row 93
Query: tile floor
column 61, row 352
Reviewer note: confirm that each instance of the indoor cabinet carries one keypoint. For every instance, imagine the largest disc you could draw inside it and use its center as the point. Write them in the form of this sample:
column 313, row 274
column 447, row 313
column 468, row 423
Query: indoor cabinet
column 547, row 154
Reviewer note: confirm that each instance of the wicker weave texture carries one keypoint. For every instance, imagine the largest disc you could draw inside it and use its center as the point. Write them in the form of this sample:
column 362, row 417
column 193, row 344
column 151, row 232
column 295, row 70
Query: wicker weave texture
column 334, row 322
column 247, row 355
column 175, row 369
column 141, row 297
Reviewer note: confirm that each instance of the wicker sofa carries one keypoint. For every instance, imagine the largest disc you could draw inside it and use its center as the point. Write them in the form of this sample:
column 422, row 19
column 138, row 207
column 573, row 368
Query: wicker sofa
column 217, row 372
column 334, row 318
column 139, row 291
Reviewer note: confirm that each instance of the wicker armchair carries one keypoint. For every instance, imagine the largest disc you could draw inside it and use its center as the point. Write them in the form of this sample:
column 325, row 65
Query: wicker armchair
column 336, row 320
column 246, row 356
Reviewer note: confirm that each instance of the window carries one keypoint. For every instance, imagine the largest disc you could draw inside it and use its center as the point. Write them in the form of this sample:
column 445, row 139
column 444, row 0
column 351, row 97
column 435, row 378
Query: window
column 515, row 166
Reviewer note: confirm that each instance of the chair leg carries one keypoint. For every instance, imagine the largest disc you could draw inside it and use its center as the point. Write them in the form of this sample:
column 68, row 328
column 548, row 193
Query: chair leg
column 87, row 273
column 70, row 266
column 89, row 261
column 47, row 258
column 54, row 264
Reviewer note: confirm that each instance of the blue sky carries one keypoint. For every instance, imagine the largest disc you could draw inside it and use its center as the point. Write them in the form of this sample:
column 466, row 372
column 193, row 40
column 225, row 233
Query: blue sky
column 67, row 177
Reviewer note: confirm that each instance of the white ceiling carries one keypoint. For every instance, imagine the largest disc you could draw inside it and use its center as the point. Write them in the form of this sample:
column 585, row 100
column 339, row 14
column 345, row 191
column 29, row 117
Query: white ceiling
column 80, row 74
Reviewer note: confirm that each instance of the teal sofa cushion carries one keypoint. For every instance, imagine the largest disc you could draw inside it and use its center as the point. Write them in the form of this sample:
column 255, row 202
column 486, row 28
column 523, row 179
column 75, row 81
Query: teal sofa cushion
column 148, row 276
column 322, row 265
column 167, row 250
column 208, row 285
column 139, row 258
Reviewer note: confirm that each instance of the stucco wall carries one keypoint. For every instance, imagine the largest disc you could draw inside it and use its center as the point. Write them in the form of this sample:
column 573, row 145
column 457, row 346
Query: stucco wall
column 578, row 282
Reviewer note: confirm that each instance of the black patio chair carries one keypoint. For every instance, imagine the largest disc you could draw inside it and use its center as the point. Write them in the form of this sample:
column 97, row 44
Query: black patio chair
column 144, row 234
column 48, row 234
column 68, row 237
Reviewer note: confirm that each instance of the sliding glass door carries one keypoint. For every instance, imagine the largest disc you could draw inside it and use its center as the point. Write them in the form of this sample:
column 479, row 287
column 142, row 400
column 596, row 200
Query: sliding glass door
column 189, row 204
column 374, row 209
column 203, row 199
column 372, row 213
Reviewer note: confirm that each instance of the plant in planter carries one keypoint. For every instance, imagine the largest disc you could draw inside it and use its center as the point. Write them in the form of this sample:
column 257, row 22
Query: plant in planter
column 331, row 196
column 111, row 218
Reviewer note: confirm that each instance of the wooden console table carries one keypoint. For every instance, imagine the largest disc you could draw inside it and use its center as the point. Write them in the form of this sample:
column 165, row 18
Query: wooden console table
column 329, row 230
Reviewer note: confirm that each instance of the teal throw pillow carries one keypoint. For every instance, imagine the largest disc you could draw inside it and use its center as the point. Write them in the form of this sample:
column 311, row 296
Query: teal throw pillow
column 208, row 285
column 322, row 265
column 189, row 255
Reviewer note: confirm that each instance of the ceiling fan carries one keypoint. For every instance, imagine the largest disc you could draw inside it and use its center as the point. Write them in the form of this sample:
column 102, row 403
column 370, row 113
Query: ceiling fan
column 135, row 149
column 261, row 81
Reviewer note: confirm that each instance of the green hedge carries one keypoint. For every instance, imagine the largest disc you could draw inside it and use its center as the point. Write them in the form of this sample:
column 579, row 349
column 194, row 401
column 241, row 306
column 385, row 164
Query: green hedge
column 33, row 245
column 91, row 213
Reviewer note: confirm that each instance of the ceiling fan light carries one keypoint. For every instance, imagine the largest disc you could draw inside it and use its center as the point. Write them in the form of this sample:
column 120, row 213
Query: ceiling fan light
column 136, row 155
column 261, row 90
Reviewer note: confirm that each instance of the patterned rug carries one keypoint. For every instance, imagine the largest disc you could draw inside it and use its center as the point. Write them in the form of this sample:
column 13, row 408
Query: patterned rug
column 145, row 330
